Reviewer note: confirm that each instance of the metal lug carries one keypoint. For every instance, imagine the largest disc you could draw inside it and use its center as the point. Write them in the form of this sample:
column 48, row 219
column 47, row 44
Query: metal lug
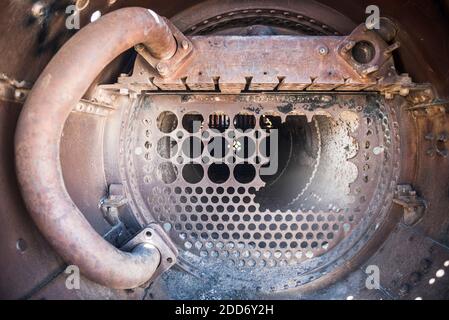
column 414, row 206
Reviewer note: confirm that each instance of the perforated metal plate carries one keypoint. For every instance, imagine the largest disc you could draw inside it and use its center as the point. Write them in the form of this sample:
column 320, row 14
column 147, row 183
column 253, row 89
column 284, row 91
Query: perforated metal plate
column 336, row 159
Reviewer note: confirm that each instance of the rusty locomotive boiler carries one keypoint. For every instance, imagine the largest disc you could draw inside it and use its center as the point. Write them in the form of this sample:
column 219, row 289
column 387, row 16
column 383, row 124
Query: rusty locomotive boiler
column 224, row 149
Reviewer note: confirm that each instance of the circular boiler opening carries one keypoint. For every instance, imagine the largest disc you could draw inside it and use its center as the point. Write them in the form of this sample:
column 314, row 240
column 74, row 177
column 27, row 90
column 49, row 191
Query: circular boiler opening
column 308, row 156
column 363, row 52
column 268, row 193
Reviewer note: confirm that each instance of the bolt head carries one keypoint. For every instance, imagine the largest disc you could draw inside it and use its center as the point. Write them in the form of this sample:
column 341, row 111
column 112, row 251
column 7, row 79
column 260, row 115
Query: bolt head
column 349, row 45
column 185, row 44
column 139, row 47
column 19, row 95
column 38, row 9
column 323, row 50
column 389, row 95
column 404, row 92
column 162, row 68
column 326, row 98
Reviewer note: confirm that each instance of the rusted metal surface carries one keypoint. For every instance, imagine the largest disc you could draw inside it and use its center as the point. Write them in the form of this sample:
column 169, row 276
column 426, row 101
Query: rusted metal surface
column 38, row 138
column 277, row 17
column 422, row 29
column 414, row 207
column 367, row 53
column 156, row 236
column 259, row 64
column 161, row 44
column 12, row 90
column 322, row 67
column 25, row 251
column 412, row 273
column 422, row 33
column 169, row 65
column 88, row 173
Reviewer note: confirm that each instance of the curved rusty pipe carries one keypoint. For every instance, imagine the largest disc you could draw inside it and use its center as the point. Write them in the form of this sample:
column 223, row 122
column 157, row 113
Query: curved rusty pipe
column 56, row 92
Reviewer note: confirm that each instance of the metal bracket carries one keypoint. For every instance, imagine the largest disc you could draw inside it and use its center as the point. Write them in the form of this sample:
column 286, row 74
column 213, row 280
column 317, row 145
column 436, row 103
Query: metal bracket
column 156, row 236
column 414, row 207
column 93, row 108
column 379, row 65
column 13, row 90
column 381, row 52
column 168, row 67
column 109, row 206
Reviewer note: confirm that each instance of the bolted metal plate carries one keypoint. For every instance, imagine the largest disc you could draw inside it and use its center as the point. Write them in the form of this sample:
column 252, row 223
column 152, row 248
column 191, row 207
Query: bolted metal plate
column 153, row 234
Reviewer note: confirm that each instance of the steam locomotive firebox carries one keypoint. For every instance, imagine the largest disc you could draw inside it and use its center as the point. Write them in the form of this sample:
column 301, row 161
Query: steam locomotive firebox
column 249, row 185
column 263, row 149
